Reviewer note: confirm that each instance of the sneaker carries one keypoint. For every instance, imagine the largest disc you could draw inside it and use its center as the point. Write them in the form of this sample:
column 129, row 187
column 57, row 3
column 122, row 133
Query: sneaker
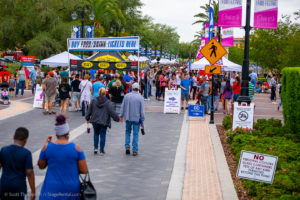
column 181, row 108
column 186, row 108
column 127, row 151
column 135, row 153
column 102, row 153
column 95, row 151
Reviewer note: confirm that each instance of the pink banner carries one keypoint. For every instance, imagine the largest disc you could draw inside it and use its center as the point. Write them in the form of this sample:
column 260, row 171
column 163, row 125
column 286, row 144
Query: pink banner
column 265, row 14
column 206, row 32
column 227, row 37
column 230, row 13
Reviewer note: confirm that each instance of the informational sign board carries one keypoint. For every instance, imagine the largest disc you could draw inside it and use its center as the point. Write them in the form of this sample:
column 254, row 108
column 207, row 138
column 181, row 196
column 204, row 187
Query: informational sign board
column 257, row 167
column 27, row 61
column 196, row 111
column 38, row 97
column 213, row 51
column 172, row 101
column 104, row 44
column 214, row 69
column 243, row 116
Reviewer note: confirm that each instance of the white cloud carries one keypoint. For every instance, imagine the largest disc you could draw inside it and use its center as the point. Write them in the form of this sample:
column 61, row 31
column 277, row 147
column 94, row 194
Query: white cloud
column 180, row 14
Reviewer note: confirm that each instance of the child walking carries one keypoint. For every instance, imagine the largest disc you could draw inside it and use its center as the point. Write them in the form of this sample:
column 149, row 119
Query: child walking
column 12, row 85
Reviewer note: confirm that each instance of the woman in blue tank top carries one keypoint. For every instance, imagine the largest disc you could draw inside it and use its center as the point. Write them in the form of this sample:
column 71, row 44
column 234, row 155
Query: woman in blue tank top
column 65, row 160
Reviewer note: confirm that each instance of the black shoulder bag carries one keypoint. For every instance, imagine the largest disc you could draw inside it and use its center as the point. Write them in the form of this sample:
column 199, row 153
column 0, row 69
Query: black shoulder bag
column 87, row 190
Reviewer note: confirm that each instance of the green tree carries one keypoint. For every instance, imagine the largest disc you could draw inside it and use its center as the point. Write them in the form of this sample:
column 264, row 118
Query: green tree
column 203, row 16
column 236, row 55
column 275, row 49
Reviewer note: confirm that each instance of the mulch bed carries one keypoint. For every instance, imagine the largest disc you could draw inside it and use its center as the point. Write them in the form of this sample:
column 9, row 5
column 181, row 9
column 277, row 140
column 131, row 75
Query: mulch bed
column 241, row 191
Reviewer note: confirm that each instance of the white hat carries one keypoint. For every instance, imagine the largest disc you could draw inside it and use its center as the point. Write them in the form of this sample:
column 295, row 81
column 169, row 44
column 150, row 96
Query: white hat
column 135, row 86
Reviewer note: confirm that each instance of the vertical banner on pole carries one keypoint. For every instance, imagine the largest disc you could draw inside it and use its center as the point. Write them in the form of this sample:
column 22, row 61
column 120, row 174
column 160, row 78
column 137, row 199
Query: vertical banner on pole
column 265, row 14
column 211, row 23
column 230, row 13
column 227, row 37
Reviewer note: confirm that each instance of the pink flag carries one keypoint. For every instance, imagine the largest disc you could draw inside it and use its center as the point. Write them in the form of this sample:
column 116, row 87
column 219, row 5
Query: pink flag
column 230, row 13
column 227, row 37
column 265, row 14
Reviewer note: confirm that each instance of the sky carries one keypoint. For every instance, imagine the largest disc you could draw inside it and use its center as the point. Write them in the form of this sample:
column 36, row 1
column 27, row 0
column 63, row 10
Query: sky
column 180, row 14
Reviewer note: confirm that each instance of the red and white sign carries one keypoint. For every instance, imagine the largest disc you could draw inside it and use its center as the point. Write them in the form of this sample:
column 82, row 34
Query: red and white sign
column 27, row 58
column 257, row 167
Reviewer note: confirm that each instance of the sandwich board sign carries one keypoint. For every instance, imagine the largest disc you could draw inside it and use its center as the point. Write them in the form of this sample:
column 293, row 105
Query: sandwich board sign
column 243, row 116
column 172, row 101
column 213, row 51
column 257, row 167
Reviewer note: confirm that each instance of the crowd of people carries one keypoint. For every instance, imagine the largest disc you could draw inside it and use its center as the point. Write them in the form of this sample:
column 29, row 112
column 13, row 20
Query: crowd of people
column 100, row 97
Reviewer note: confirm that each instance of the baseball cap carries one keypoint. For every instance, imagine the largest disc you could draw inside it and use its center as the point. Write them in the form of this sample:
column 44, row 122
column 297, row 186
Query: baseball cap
column 135, row 86
column 51, row 73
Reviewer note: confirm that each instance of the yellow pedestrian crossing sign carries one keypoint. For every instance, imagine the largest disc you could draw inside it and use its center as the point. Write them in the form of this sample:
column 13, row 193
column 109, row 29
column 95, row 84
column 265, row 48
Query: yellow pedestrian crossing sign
column 213, row 51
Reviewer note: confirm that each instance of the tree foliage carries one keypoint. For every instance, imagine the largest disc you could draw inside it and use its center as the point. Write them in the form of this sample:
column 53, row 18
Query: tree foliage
column 275, row 49
column 236, row 55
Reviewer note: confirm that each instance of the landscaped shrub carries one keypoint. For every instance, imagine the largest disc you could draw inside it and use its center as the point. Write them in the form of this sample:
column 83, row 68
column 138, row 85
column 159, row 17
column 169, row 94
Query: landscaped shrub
column 270, row 137
column 291, row 99
column 227, row 122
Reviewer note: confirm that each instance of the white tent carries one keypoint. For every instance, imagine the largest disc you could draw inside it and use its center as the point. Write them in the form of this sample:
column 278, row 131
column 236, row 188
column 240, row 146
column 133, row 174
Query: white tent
column 135, row 58
column 62, row 59
column 226, row 64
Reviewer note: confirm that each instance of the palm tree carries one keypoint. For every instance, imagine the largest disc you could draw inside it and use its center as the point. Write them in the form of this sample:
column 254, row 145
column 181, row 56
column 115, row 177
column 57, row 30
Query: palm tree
column 203, row 17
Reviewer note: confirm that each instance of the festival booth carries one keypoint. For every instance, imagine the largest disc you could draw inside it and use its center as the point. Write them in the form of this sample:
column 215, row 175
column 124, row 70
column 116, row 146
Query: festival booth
column 109, row 56
column 226, row 64
column 62, row 59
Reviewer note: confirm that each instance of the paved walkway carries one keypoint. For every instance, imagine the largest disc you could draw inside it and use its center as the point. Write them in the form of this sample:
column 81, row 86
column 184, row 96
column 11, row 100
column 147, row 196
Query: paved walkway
column 147, row 176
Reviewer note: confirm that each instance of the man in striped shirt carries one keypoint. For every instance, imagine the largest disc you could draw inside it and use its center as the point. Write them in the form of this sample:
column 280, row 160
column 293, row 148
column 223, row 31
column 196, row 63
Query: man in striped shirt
column 251, row 89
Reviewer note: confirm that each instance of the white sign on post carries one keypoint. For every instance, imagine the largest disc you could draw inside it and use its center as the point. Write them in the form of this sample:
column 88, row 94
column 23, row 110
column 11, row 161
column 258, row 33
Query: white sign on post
column 257, row 167
column 172, row 101
column 243, row 116
column 38, row 97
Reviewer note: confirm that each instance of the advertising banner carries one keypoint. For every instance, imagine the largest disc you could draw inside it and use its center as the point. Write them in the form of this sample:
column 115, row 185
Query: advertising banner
column 265, row 14
column 104, row 44
column 38, row 97
column 27, row 61
column 172, row 101
column 206, row 36
column 87, row 65
column 257, row 167
column 227, row 37
column 196, row 110
column 230, row 13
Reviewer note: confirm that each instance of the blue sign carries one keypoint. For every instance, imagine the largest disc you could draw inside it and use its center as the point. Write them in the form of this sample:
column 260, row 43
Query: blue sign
column 211, row 23
column 27, row 63
column 196, row 111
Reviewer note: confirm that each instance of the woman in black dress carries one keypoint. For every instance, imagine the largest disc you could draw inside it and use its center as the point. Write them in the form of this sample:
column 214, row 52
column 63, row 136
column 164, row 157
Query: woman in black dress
column 64, row 95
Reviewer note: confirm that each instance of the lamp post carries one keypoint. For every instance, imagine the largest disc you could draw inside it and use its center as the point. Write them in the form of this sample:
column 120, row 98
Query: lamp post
column 117, row 29
column 244, row 97
column 82, row 9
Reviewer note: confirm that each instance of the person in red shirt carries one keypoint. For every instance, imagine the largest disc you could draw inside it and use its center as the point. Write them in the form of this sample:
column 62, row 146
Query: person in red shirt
column 236, row 88
column 4, row 77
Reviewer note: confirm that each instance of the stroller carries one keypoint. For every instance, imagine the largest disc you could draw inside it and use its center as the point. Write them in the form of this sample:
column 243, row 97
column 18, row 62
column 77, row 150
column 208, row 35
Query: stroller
column 4, row 94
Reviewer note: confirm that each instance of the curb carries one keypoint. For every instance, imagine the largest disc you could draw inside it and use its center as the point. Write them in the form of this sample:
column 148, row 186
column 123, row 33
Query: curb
column 227, row 186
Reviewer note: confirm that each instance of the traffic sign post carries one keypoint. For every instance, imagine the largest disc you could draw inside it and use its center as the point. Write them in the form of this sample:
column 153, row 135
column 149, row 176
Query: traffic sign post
column 213, row 51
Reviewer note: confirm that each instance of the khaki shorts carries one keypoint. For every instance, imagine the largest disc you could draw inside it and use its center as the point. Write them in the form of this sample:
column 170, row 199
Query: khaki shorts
column 50, row 98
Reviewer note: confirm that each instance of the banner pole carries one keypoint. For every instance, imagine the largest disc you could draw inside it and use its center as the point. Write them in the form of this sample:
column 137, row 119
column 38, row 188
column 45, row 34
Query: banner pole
column 138, row 65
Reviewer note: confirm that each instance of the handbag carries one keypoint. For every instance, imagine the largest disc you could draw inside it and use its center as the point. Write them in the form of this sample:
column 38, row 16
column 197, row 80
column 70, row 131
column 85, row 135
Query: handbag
column 87, row 190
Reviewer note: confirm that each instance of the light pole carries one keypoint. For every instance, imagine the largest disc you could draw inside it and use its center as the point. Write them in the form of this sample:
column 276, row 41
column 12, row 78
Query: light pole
column 244, row 97
column 82, row 9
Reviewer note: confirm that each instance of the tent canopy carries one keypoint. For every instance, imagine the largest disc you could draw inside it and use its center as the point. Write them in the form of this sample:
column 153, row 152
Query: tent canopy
column 226, row 64
column 61, row 59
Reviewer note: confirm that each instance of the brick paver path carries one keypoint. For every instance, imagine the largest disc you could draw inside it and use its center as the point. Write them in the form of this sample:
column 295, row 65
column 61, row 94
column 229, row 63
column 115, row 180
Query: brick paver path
column 201, row 177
